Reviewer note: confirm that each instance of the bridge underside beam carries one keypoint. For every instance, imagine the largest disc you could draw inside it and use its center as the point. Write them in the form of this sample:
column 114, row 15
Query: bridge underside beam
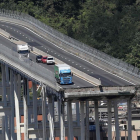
column 99, row 93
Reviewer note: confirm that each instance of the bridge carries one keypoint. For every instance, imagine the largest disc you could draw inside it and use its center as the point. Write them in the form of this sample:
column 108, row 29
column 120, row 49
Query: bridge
column 97, row 76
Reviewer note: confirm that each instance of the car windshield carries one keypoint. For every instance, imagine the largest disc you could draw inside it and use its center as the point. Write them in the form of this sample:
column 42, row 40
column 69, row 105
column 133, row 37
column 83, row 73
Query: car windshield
column 44, row 57
column 66, row 74
column 50, row 58
column 39, row 56
column 23, row 51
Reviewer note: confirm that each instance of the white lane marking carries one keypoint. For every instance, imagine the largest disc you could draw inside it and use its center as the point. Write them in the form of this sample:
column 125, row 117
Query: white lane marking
column 68, row 60
column 32, row 40
column 14, row 30
column 91, row 72
column 80, row 66
column 26, row 36
column 10, row 28
column 45, row 48
column 76, row 64
column 65, row 58
column 22, row 35
column 58, row 55
column 77, row 86
column 84, row 68
column 87, row 70
column 72, row 62
column 54, row 53
column 17, row 31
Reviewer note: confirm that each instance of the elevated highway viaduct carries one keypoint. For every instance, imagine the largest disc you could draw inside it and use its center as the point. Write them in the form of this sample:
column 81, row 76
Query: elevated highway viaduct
column 113, row 88
column 107, row 79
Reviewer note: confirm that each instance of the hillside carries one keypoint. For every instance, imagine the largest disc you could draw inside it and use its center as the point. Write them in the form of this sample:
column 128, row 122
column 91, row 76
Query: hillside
column 112, row 26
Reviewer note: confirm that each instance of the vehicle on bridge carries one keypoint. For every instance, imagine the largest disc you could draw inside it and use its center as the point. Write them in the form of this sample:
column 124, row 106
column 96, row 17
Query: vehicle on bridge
column 38, row 58
column 50, row 60
column 45, row 59
column 23, row 49
column 63, row 74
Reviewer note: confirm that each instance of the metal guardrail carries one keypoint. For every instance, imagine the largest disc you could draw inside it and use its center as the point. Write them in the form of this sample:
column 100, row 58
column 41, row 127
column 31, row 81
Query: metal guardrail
column 72, row 43
column 27, row 67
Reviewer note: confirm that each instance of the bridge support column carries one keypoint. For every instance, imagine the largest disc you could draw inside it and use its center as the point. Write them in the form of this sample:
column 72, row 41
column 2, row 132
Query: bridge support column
column 109, row 120
column 87, row 120
column 25, row 109
column 116, row 120
column 53, row 108
column 19, row 87
column 4, row 85
column 6, row 128
column 17, row 108
column 28, row 101
column 28, row 97
column 3, row 127
column 61, row 119
column 97, row 120
column 129, row 119
column 82, row 120
column 7, row 74
column 12, row 104
column 77, row 114
column 44, row 113
column 35, row 105
column 7, row 80
column 70, row 121
column 50, row 113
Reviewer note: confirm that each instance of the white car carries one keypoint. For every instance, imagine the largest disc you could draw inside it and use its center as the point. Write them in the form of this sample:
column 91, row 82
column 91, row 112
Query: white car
column 50, row 60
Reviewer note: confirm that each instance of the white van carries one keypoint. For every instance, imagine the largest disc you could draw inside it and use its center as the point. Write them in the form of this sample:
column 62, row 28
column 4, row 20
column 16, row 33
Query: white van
column 50, row 60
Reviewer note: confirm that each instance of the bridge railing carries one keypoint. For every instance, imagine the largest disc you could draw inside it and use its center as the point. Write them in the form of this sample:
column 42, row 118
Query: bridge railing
column 27, row 67
column 84, row 51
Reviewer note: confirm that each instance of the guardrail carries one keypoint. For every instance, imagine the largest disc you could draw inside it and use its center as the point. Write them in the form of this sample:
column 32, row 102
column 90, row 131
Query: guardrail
column 27, row 67
column 96, row 57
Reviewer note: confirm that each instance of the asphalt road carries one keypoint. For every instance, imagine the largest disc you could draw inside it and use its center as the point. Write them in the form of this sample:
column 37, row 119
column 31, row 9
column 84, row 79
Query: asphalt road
column 107, row 79
column 77, row 82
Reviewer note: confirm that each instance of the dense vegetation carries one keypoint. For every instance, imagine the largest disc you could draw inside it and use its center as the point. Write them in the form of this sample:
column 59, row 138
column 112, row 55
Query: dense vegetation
column 112, row 26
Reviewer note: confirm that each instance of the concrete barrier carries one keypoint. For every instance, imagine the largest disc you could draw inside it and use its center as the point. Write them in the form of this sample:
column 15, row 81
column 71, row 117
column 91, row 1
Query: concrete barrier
column 4, row 33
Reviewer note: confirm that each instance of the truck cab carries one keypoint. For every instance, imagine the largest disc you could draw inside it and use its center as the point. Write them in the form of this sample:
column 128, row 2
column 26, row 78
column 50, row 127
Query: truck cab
column 23, row 49
column 63, row 74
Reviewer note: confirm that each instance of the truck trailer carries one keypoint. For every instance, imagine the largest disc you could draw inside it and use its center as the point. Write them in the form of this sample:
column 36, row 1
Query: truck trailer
column 63, row 74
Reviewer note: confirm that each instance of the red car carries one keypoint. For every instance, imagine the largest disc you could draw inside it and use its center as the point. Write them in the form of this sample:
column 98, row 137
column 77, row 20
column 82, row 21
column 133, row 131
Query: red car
column 44, row 59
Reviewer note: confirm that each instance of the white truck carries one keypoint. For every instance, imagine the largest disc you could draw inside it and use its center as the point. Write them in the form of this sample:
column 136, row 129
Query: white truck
column 23, row 49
